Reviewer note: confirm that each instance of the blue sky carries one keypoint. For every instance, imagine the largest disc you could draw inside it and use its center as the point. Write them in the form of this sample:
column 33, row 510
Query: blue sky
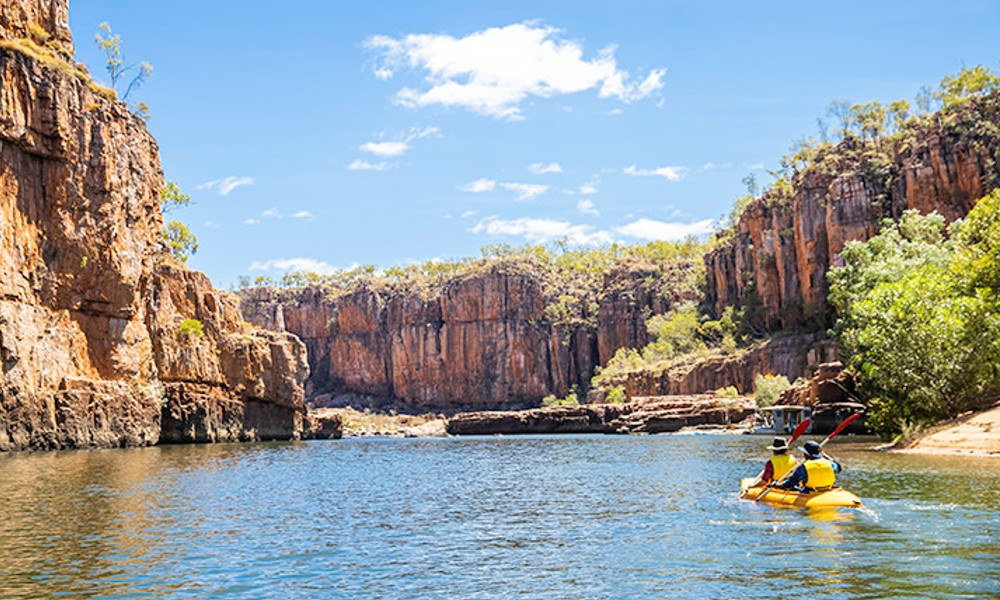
column 323, row 135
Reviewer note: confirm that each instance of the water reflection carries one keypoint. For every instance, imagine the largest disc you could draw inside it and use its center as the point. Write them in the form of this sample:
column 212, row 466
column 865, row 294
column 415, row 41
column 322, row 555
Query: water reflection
column 571, row 516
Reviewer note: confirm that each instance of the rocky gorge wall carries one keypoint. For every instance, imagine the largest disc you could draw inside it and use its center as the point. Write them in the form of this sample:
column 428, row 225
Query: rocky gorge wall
column 782, row 249
column 91, row 352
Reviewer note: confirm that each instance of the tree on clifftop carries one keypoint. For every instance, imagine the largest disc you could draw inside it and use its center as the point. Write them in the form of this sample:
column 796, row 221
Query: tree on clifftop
column 111, row 44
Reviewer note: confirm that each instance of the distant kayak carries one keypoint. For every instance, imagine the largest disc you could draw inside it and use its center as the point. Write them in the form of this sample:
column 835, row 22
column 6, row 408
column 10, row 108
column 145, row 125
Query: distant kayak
column 828, row 499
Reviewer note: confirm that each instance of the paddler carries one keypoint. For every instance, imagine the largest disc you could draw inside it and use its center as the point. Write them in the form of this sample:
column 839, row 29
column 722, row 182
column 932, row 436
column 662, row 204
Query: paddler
column 780, row 463
column 817, row 474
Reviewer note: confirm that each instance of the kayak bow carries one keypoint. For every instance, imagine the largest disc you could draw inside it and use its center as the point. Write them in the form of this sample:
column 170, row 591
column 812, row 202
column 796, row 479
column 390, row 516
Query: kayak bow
column 828, row 499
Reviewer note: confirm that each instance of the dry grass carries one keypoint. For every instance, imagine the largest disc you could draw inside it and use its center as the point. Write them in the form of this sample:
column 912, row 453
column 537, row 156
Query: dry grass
column 51, row 57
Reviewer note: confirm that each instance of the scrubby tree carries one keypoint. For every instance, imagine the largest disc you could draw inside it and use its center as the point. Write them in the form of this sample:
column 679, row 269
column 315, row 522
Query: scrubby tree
column 180, row 241
column 110, row 44
column 970, row 81
column 171, row 197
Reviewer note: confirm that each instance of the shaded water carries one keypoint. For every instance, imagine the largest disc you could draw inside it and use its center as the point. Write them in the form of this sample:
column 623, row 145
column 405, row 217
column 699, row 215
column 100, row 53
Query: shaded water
column 573, row 516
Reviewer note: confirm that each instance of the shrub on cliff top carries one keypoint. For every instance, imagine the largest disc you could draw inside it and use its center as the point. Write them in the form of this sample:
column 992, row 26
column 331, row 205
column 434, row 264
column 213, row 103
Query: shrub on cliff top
column 768, row 388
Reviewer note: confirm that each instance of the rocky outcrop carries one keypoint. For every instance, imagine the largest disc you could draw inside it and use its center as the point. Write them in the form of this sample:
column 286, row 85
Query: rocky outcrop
column 476, row 341
column 785, row 242
column 833, row 396
column 792, row 356
column 663, row 414
column 90, row 302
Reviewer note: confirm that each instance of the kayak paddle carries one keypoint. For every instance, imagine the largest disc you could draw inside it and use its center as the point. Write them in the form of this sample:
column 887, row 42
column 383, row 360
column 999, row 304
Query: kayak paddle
column 799, row 430
column 843, row 425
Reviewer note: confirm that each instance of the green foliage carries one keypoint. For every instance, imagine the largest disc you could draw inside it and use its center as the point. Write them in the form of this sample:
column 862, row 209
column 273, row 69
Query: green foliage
column 552, row 401
column 191, row 327
column 768, row 388
column 920, row 316
column 616, row 395
column 171, row 197
column 180, row 241
column 970, row 81
column 728, row 393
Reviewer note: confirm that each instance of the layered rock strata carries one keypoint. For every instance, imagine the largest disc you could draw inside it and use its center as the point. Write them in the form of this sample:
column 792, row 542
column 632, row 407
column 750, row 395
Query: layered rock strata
column 656, row 414
column 476, row 341
column 91, row 304
column 786, row 241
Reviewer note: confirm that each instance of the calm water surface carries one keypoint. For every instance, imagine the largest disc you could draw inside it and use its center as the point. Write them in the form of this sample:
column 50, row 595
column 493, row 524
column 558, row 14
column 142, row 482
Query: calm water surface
column 544, row 517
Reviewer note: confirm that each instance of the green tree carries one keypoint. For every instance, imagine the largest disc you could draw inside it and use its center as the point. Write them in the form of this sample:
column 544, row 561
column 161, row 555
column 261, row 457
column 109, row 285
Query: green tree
column 191, row 327
column 768, row 388
column 171, row 197
column 970, row 81
column 180, row 241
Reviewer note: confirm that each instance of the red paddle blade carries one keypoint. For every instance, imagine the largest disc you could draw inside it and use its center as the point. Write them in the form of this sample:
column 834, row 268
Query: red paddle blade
column 799, row 430
column 842, row 426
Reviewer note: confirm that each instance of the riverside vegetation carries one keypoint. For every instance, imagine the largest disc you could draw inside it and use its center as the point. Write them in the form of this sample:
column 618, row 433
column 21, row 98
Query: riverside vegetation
column 912, row 309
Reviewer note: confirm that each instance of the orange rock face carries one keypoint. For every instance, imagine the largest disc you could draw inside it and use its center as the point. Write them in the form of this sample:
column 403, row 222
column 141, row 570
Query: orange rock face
column 782, row 250
column 90, row 307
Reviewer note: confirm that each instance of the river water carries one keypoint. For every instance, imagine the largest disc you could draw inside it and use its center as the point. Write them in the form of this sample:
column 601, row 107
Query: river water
column 491, row 517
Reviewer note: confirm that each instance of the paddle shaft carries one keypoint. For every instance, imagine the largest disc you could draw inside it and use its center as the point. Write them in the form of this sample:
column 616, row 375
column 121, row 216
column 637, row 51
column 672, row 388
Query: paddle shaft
column 843, row 425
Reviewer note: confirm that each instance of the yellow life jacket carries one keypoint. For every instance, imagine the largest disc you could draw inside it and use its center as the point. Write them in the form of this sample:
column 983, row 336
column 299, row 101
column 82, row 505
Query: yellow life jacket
column 819, row 474
column 781, row 464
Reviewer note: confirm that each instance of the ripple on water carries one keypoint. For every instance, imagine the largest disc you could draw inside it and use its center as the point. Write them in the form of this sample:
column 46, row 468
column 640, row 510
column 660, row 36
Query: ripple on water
column 575, row 516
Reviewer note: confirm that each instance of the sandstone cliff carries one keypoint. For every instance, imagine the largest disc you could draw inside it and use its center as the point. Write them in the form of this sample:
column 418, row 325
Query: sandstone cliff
column 90, row 303
column 784, row 243
column 483, row 339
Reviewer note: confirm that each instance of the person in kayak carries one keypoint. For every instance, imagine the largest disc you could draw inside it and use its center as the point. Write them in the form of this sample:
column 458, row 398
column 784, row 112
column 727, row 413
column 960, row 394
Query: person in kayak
column 817, row 474
column 780, row 463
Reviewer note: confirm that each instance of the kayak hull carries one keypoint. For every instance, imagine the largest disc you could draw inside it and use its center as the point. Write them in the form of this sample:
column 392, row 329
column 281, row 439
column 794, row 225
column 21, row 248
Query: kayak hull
column 837, row 497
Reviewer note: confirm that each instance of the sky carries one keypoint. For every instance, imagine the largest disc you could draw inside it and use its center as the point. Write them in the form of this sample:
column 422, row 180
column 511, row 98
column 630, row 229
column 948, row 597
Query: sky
column 317, row 135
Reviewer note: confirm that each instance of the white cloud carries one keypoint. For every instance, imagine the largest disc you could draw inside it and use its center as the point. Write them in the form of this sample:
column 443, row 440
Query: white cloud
column 308, row 265
column 541, row 231
column 614, row 112
column 303, row 214
column 672, row 173
column 385, row 149
column 492, row 71
column 525, row 191
column 364, row 165
column 649, row 229
column 416, row 133
column 542, row 169
column 251, row 221
column 480, row 185
column 224, row 186
column 588, row 188
column 468, row 214
column 756, row 166
column 271, row 213
column 211, row 224
column 587, row 207
column 710, row 166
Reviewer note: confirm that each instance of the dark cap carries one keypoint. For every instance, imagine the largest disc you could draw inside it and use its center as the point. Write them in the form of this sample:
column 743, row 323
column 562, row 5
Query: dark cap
column 778, row 444
column 812, row 449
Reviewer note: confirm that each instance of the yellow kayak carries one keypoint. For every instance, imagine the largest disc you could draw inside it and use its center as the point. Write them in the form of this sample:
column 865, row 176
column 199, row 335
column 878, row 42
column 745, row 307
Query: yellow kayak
column 828, row 499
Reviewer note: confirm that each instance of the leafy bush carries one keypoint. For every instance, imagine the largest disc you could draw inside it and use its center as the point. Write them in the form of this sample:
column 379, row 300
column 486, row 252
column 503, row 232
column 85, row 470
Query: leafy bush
column 616, row 395
column 768, row 388
column 920, row 316
column 552, row 401
column 191, row 327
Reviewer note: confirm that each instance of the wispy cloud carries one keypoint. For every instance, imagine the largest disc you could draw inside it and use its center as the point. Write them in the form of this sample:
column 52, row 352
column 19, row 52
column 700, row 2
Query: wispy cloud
column 308, row 265
column 670, row 173
column 251, row 221
column 364, row 165
column 211, row 224
column 525, row 191
column 588, row 188
column 303, row 214
column 479, row 186
column 587, row 207
column 541, row 231
column 542, row 169
column 650, row 229
column 492, row 71
column 226, row 185
column 469, row 214
column 385, row 149
column 711, row 166
column 271, row 213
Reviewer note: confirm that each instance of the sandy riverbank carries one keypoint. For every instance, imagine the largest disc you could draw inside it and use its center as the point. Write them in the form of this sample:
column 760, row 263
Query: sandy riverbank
column 976, row 434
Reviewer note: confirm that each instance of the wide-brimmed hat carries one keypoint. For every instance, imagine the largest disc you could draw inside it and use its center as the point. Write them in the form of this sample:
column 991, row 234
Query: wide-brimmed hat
column 778, row 444
column 812, row 449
